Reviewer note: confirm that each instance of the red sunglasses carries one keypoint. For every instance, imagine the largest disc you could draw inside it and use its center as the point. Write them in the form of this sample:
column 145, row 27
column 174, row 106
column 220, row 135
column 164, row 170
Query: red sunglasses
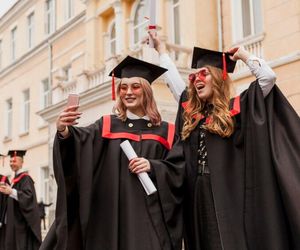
column 201, row 75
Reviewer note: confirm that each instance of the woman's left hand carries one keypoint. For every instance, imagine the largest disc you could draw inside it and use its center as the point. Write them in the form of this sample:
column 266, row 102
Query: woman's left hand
column 139, row 165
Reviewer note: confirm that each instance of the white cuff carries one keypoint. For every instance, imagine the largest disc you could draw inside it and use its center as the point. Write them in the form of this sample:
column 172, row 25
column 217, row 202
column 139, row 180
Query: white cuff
column 14, row 194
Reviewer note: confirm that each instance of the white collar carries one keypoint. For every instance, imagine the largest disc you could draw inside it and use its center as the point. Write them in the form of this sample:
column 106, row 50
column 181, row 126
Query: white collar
column 133, row 116
column 20, row 171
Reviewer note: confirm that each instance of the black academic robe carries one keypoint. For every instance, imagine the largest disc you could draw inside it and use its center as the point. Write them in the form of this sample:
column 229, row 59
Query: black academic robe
column 100, row 204
column 23, row 228
column 254, row 174
column 3, row 207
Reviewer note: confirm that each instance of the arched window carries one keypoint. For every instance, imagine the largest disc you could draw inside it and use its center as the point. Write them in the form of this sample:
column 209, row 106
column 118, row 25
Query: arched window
column 140, row 21
column 112, row 39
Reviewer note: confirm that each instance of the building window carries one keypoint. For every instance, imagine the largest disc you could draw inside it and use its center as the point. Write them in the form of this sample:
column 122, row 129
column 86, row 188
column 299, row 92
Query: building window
column 0, row 54
column 175, row 21
column 46, row 94
column 13, row 43
column 8, row 120
column 112, row 39
column 26, row 111
column 30, row 21
column 140, row 22
column 69, row 9
column 45, row 178
column 49, row 17
column 248, row 18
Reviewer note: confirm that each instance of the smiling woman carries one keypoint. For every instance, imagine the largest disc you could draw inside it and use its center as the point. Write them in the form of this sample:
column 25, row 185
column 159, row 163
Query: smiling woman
column 98, row 187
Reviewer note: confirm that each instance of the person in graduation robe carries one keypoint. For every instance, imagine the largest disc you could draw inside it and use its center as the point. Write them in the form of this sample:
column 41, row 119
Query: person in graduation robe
column 3, row 206
column 101, row 204
column 242, row 178
column 23, row 229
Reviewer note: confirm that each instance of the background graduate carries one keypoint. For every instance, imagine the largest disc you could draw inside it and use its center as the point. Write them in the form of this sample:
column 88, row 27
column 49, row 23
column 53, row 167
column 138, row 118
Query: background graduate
column 101, row 204
column 23, row 229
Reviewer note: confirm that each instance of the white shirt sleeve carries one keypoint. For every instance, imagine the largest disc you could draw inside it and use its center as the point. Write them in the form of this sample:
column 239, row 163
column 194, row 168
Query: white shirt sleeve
column 172, row 76
column 14, row 194
column 263, row 73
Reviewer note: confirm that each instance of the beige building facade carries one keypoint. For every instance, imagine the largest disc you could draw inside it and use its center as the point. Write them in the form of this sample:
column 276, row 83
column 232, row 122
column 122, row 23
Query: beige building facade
column 51, row 48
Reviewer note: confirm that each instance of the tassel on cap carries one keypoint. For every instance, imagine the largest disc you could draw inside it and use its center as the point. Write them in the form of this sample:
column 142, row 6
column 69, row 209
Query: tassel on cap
column 113, row 90
column 15, row 156
column 224, row 67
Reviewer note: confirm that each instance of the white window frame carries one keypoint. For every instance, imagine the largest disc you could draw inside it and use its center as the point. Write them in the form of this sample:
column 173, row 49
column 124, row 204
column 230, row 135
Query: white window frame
column 30, row 22
column 49, row 16
column 13, row 44
column 69, row 9
column 46, row 100
column 256, row 19
column 8, row 118
column 25, row 111
column 173, row 26
column 112, row 41
column 142, row 25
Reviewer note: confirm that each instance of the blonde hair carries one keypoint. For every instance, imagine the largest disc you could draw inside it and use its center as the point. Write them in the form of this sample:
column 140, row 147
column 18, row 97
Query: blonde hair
column 148, row 104
column 221, row 122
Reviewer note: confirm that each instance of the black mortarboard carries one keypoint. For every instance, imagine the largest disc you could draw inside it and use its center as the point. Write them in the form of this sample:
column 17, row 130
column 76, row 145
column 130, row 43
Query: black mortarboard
column 203, row 57
column 132, row 67
column 13, row 153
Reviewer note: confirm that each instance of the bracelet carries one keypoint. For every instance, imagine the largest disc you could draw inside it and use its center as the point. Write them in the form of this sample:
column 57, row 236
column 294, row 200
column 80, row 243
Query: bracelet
column 61, row 131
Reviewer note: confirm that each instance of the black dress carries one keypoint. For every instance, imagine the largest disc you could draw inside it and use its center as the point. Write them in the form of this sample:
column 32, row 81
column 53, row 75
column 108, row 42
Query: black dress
column 23, row 228
column 100, row 204
column 249, row 199
column 3, row 207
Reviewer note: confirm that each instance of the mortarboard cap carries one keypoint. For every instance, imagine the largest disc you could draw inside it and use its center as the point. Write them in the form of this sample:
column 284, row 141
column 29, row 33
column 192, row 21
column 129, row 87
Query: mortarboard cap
column 13, row 153
column 202, row 57
column 132, row 67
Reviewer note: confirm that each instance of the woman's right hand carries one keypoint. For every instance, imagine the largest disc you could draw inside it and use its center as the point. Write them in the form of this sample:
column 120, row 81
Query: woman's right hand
column 68, row 117
column 159, row 46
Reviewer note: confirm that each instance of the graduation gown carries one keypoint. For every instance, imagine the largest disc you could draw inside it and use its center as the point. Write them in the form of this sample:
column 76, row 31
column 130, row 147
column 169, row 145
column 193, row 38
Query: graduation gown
column 3, row 207
column 254, row 175
column 23, row 228
column 100, row 204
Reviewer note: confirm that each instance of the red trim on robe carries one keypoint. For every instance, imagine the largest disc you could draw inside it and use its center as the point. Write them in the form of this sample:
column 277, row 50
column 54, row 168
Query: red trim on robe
column 16, row 180
column 236, row 109
column 3, row 178
column 106, row 133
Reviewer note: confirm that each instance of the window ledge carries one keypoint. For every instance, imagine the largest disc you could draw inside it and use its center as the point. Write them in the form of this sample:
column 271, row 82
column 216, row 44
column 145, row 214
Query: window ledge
column 7, row 139
column 23, row 134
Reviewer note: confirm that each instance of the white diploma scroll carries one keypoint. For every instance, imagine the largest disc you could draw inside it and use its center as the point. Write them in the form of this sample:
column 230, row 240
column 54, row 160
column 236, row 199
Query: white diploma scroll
column 143, row 177
column 152, row 20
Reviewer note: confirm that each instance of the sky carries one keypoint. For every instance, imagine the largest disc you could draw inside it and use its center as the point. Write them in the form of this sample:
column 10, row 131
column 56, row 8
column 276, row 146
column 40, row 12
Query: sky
column 5, row 5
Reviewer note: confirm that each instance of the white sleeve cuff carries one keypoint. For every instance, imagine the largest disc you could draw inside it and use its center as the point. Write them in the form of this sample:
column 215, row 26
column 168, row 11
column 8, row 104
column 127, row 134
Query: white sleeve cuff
column 14, row 194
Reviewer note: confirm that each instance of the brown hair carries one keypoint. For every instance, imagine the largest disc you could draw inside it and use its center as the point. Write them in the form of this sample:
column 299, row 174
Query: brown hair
column 221, row 122
column 149, row 105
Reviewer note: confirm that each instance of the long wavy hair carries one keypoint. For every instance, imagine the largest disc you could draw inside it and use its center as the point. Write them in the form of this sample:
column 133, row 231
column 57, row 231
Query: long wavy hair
column 148, row 103
column 220, row 122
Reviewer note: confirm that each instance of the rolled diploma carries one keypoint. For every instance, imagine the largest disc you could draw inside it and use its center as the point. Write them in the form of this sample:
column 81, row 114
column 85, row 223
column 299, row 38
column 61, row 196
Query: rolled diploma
column 143, row 177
